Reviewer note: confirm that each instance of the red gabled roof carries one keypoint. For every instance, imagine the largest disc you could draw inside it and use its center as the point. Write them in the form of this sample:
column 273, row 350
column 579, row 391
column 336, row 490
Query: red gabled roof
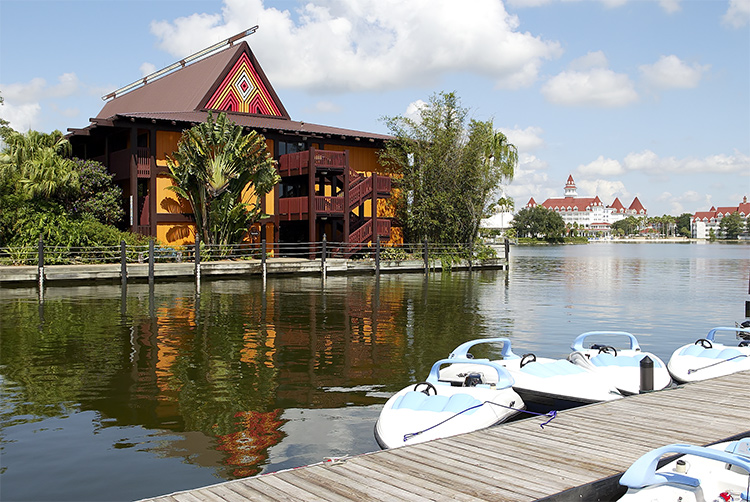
column 636, row 206
column 582, row 203
column 531, row 202
column 744, row 208
column 617, row 205
column 726, row 210
column 704, row 215
column 570, row 182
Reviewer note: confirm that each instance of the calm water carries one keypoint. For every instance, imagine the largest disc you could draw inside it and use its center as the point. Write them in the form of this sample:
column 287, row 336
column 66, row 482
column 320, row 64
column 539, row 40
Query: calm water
column 112, row 396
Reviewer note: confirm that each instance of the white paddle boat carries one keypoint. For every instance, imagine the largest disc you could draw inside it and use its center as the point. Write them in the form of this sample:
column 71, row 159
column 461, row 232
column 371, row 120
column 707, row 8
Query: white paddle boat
column 434, row 409
column 706, row 358
column 716, row 473
column 620, row 366
column 550, row 383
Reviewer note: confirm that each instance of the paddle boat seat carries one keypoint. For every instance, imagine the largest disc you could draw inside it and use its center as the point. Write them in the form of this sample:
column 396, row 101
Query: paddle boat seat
column 605, row 359
column 699, row 351
column 419, row 401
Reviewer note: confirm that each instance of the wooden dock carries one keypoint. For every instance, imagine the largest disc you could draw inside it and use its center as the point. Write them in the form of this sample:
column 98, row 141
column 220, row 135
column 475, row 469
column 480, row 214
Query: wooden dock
column 582, row 449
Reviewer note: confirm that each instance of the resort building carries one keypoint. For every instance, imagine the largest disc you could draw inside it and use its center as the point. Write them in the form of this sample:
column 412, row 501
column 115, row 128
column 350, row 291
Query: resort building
column 589, row 213
column 704, row 222
column 331, row 181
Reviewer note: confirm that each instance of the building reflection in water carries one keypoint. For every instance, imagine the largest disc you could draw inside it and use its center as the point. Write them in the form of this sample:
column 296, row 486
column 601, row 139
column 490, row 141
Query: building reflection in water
column 228, row 363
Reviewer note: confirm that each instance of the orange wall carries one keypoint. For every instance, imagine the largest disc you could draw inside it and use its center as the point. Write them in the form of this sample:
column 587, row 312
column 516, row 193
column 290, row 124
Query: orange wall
column 166, row 144
column 361, row 159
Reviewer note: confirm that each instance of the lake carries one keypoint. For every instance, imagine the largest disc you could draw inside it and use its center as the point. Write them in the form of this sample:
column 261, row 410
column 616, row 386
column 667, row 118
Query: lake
column 119, row 395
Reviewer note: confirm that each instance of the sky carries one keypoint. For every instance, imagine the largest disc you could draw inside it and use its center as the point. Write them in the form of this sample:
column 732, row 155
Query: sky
column 646, row 98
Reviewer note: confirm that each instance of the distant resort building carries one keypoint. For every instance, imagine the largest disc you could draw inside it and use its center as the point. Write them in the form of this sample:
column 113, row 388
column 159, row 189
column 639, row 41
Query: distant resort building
column 331, row 181
column 703, row 222
column 589, row 212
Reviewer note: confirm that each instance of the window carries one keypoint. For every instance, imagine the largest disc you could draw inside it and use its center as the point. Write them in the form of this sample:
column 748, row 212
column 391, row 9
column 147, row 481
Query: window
column 288, row 147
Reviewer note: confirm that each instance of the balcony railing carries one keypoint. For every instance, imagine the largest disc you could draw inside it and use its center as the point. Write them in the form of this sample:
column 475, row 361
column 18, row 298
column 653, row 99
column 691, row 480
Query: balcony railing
column 329, row 205
column 143, row 162
column 296, row 164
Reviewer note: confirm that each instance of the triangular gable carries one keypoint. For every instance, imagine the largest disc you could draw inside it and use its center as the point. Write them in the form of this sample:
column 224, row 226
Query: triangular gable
column 244, row 88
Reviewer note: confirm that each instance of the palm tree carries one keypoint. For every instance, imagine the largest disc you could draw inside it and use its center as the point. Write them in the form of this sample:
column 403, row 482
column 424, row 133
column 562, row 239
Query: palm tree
column 218, row 169
column 40, row 162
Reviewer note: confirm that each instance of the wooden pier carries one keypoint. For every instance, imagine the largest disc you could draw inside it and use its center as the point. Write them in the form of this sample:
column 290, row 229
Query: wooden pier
column 572, row 458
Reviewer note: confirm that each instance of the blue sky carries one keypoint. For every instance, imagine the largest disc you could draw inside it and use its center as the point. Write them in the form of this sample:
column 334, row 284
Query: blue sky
column 647, row 98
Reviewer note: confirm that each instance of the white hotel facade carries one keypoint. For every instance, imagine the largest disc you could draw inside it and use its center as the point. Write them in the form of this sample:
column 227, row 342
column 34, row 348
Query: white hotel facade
column 589, row 212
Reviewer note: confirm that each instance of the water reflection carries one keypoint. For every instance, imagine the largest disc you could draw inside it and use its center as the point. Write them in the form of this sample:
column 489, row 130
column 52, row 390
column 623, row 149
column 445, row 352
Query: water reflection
column 236, row 379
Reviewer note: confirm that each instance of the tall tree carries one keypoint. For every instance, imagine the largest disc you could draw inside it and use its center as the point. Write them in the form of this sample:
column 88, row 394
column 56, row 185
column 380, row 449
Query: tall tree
column 683, row 224
column 538, row 221
column 215, row 166
column 731, row 225
column 446, row 172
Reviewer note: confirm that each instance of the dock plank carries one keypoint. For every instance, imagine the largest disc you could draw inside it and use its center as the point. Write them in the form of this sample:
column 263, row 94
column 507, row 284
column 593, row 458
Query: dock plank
column 517, row 461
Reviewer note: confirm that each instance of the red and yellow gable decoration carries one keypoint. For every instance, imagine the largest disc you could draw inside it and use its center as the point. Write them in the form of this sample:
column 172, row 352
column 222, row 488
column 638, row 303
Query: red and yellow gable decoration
column 243, row 91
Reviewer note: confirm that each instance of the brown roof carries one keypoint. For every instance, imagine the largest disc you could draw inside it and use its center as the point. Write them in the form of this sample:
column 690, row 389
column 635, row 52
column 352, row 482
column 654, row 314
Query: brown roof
column 180, row 96
column 180, row 91
column 259, row 122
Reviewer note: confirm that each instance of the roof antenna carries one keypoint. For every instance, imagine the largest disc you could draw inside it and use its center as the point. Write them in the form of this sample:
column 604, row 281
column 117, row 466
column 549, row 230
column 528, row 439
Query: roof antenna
column 180, row 64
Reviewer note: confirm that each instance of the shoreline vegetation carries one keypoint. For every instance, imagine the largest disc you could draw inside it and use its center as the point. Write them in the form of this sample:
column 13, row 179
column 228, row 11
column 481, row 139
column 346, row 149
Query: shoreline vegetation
column 528, row 241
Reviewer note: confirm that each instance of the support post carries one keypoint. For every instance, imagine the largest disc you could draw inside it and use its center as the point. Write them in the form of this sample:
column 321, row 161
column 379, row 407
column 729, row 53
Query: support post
column 197, row 258
column 471, row 255
column 151, row 261
column 263, row 257
column 123, row 264
column 647, row 374
column 40, row 263
column 425, row 256
column 377, row 255
column 507, row 252
column 323, row 258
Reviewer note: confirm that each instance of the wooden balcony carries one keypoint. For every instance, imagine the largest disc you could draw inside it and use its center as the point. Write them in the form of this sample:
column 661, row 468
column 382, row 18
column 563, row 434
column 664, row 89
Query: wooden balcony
column 120, row 162
column 297, row 208
column 297, row 164
column 293, row 208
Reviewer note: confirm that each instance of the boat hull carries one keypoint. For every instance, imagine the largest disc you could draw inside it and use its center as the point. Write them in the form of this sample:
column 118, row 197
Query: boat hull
column 411, row 417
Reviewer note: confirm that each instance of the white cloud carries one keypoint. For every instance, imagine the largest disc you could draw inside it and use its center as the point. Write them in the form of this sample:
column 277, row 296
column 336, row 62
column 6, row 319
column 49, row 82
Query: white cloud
column 21, row 117
column 37, row 89
column 147, row 69
column 590, row 61
column 589, row 82
column 24, row 101
column 738, row 14
column 340, row 45
column 669, row 6
column 606, row 190
column 414, row 110
column 689, row 199
column 601, row 167
column 669, row 72
column 531, row 163
column 714, row 164
column 526, row 140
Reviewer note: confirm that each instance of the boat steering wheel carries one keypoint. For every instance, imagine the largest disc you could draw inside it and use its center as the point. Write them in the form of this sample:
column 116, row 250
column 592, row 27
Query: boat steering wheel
column 608, row 349
column 705, row 343
column 526, row 359
column 427, row 390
